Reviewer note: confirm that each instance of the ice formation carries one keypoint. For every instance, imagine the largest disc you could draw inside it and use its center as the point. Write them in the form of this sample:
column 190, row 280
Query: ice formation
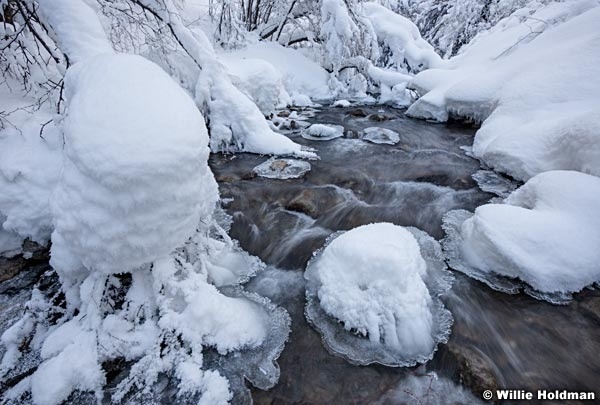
column 373, row 294
column 538, row 112
column 381, row 136
column 323, row 132
column 277, row 168
column 546, row 234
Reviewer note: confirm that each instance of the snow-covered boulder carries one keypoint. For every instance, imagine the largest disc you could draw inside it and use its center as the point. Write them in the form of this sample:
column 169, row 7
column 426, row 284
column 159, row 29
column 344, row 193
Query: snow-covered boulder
column 533, row 80
column 323, row 132
column 545, row 234
column 372, row 293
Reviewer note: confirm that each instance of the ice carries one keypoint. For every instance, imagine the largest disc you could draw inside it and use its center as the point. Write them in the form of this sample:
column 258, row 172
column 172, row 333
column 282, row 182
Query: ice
column 373, row 294
column 323, row 132
column 544, row 237
column 492, row 182
column 503, row 79
column 278, row 168
column 381, row 136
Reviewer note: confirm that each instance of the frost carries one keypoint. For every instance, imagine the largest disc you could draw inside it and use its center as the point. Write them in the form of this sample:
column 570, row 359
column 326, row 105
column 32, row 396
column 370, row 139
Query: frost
column 381, row 136
column 276, row 168
column 323, row 132
column 373, row 295
column 544, row 237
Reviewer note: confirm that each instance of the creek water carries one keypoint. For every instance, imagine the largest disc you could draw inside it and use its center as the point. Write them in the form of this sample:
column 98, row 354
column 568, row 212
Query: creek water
column 498, row 340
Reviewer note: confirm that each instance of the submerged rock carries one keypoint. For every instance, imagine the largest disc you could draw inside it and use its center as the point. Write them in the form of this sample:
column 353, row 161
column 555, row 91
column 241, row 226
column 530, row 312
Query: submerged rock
column 381, row 136
column 278, row 168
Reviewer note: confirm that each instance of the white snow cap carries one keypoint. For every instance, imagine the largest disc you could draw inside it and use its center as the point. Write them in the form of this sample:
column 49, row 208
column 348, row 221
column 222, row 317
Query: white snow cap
column 547, row 234
column 135, row 181
column 373, row 280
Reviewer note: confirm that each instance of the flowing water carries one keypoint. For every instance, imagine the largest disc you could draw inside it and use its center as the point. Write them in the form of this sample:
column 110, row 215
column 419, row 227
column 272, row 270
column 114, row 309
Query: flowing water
column 498, row 340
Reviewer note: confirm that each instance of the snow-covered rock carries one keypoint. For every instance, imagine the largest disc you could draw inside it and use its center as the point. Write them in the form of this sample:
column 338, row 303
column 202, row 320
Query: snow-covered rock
column 372, row 293
column 533, row 80
column 546, row 234
column 323, row 132
column 381, row 136
column 276, row 168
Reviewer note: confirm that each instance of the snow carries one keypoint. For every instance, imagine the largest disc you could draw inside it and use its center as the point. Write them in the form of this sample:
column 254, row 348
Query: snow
column 323, row 132
column 260, row 81
column 402, row 37
column 376, row 280
column 107, row 209
column 341, row 103
column 78, row 30
column 282, row 169
column 538, row 112
column 301, row 76
column 134, row 202
column 381, row 136
column 546, row 233
column 30, row 164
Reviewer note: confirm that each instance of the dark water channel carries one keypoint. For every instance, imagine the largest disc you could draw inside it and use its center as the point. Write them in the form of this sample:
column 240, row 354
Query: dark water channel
column 498, row 340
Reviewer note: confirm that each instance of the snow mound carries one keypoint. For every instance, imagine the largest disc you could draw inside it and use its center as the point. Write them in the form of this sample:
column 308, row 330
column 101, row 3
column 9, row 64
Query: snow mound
column 341, row 103
column 275, row 168
column 538, row 112
column 546, row 234
column 373, row 294
column 381, row 136
column 260, row 81
column 402, row 37
column 106, row 213
column 303, row 79
column 323, row 132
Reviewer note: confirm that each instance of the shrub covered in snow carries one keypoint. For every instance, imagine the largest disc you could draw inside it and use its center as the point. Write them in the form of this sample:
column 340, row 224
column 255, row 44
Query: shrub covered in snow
column 137, row 252
column 545, row 234
column 372, row 293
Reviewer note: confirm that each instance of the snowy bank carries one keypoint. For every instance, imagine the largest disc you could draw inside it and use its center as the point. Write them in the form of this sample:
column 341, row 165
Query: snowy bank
column 372, row 293
column 546, row 233
column 533, row 80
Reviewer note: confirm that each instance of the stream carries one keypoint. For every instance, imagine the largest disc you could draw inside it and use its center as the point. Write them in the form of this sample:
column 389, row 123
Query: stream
column 497, row 341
